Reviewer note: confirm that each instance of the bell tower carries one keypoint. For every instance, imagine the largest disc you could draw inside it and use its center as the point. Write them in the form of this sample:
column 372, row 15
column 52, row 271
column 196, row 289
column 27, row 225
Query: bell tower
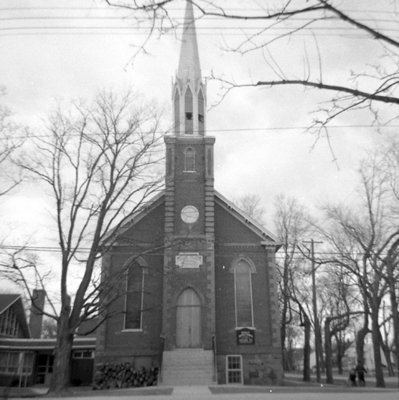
column 189, row 277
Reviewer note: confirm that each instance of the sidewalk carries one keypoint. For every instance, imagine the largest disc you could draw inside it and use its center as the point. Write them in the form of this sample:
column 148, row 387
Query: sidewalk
column 295, row 389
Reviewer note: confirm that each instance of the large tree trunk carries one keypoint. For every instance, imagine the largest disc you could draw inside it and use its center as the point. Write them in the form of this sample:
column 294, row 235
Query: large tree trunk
column 387, row 354
column 340, row 352
column 328, row 351
column 394, row 311
column 375, row 334
column 360, row 338
column 306, row 351
column 62, row 359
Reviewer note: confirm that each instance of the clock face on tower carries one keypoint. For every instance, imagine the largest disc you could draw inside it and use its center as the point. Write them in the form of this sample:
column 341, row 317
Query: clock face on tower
column 189, row 214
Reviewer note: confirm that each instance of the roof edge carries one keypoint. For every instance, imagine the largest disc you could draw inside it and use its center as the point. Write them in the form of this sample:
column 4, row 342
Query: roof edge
column 135, row 217
column 257, row 228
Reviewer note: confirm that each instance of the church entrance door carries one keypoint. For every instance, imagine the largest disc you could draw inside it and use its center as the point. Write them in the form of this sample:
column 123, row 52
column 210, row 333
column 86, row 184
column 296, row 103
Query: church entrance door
column 188, row 319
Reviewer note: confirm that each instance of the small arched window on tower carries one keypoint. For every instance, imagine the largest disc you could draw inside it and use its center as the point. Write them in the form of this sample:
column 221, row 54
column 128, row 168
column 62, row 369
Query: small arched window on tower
column 189, row 159
column 188, row 109
column 201, row 113
column 243, row 292
column 177, row 111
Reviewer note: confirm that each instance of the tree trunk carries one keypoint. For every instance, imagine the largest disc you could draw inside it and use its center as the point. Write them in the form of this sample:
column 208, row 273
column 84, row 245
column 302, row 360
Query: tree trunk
column 375, row 334
column 306, row 351
column 60, row 378
column 360, row 338
column 394, row 311
column 283, row 334
column 328, row 351
column 340, row 352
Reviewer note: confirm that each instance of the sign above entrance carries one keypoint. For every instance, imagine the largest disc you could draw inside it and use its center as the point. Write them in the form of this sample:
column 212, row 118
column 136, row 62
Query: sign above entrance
column 245, row 336
column 189, row 260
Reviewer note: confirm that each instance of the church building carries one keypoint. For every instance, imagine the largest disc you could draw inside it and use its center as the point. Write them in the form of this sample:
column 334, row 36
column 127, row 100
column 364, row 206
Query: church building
column 200, row 285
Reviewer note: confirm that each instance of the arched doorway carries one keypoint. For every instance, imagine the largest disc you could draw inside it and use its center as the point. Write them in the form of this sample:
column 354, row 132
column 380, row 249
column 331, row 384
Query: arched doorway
column 188, row 319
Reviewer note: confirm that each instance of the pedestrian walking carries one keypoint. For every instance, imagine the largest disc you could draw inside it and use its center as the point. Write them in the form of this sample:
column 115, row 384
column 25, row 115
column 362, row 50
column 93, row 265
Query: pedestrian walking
column 352, row 377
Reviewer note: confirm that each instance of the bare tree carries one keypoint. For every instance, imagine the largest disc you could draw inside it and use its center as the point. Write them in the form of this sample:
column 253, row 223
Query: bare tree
column 292, row 225
column 364, row 239
column 370, row 87
column 98, row 162
column 12, row 137
column 339, row 300
column 252, row 206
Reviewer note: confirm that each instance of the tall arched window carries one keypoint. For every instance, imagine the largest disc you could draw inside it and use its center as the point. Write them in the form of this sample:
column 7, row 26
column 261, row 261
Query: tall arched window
column 177, row 111
column 134, row 298
column 189, row 159
column 188, row 109
column 201, row 112
column 243, row 293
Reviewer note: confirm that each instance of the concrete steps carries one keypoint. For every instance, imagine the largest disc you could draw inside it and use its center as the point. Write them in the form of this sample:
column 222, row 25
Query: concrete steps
column 187, row 367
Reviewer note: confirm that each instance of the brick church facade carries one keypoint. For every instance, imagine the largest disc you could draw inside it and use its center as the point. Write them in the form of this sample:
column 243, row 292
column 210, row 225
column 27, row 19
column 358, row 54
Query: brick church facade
column 200, row 298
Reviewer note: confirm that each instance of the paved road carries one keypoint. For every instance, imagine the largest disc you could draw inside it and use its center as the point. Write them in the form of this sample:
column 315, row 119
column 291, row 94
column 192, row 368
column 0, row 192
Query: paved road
column 278, row 393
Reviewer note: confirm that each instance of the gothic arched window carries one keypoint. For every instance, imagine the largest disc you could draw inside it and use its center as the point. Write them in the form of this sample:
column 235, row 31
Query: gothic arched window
column 243, row 293
column 201, row 112
column 188, row 109
column 134, row 298
column 177, row 110
column 189, row 159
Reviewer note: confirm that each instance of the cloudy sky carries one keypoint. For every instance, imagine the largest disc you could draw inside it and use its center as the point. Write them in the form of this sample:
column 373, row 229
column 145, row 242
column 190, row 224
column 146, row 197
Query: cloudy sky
column 54, row 50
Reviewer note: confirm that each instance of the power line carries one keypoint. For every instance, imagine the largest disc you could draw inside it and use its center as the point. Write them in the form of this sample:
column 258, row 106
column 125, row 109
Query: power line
column 115, row 8
column 54, row 249
column 284, row 129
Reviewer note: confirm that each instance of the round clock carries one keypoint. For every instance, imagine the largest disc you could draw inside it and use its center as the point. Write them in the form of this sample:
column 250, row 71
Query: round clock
column 189, row 214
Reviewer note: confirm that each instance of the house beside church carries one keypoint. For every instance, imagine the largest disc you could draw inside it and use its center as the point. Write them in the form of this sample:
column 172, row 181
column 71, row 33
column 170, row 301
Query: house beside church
column 200, row 298
column 26, row 357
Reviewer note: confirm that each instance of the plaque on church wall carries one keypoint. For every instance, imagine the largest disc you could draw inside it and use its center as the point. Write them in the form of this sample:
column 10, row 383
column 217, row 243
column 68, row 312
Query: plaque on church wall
column 245, row 336
column 189, row 260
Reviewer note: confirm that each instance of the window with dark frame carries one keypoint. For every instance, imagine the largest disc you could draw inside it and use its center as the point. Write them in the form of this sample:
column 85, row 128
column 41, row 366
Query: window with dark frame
column 243, row 294
column 134, row 299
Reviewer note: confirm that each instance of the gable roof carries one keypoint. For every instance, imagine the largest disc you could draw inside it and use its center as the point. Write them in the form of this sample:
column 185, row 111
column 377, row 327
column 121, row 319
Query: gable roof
column 265, row 235
column 7, row 300
column 135, row 217
column 15, row 301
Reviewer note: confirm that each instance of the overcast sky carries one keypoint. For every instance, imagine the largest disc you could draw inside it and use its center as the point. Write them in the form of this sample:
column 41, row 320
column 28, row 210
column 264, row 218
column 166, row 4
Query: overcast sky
column 55, row 50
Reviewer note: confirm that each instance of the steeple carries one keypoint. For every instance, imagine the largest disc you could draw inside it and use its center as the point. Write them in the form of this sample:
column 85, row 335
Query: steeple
column 189, row 97
column 189, row 63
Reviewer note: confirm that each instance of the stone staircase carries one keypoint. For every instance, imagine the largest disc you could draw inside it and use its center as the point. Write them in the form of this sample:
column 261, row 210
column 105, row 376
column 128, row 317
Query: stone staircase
column 187, row 367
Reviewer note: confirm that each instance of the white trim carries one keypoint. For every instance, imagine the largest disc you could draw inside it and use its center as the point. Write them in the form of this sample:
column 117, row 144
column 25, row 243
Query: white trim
column 228, row 370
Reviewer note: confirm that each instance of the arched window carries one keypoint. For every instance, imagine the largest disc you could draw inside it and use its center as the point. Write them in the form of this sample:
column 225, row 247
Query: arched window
column 177, row 111
column 189, row 159
column 188, row 109
column 134, row 298
column 201, row 112
column 243, row 293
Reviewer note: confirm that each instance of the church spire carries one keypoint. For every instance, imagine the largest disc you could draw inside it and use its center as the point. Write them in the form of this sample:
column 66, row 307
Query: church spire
column 189, row 63
column 189, row 97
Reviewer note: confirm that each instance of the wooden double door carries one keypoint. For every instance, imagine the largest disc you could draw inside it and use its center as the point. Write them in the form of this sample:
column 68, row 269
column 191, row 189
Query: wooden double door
column 188, row 320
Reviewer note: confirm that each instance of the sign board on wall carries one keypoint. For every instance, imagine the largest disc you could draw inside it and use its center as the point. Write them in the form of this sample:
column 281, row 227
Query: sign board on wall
column 245, row 336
